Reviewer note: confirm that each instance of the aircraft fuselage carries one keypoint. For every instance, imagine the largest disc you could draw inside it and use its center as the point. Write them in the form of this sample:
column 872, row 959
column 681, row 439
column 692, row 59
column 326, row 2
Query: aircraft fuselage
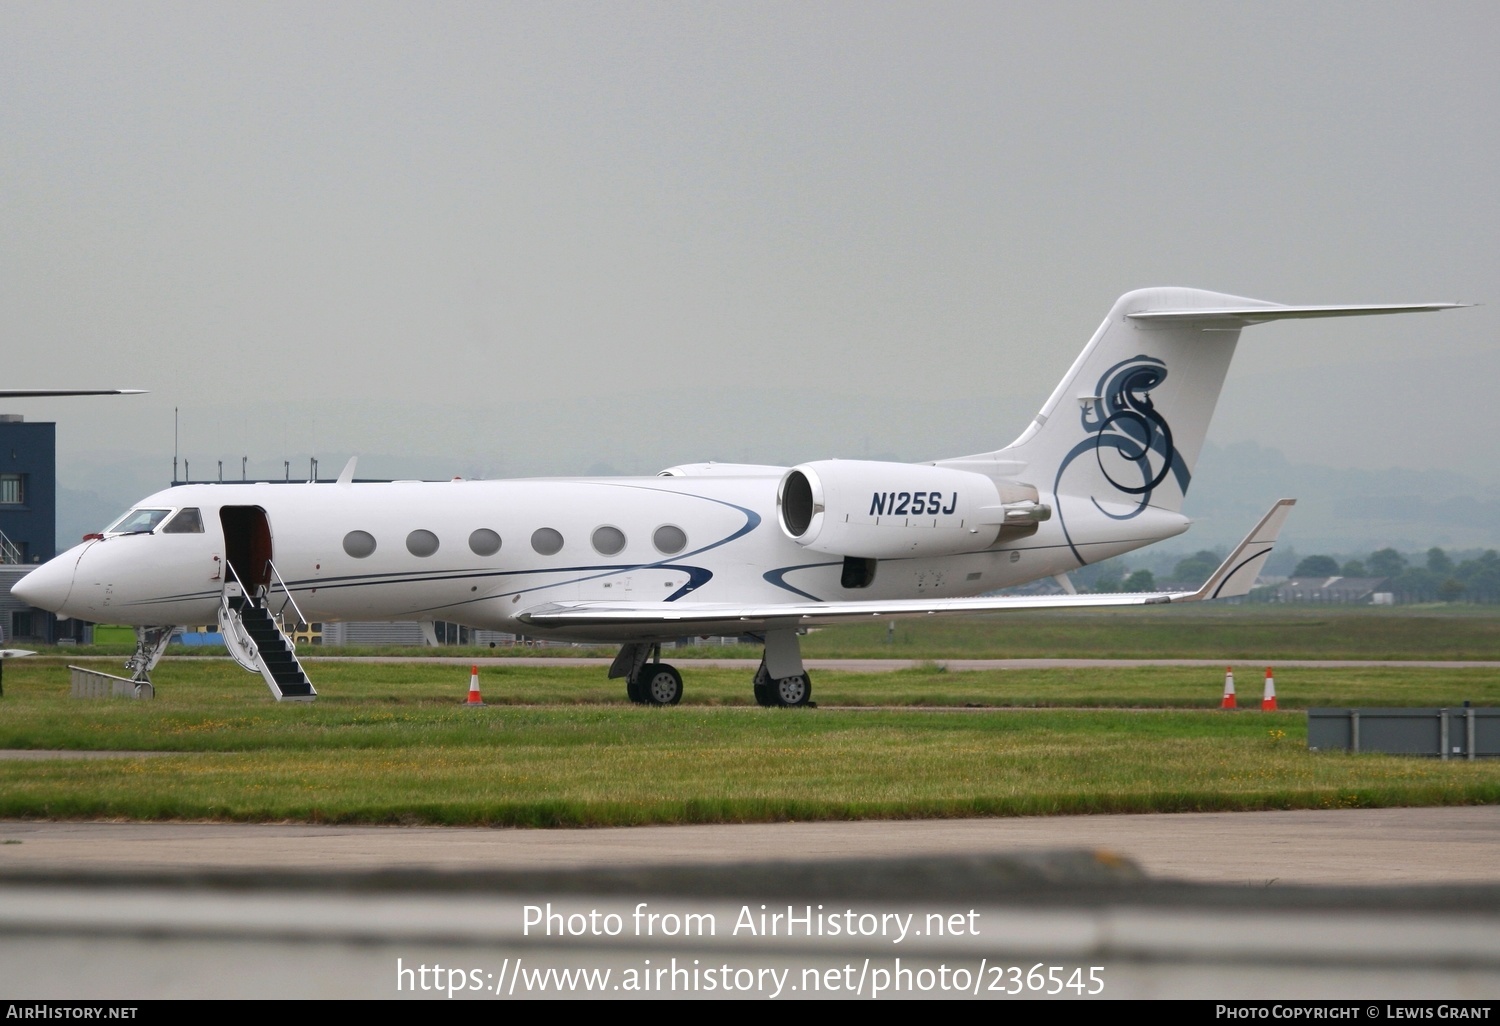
column 431, row 552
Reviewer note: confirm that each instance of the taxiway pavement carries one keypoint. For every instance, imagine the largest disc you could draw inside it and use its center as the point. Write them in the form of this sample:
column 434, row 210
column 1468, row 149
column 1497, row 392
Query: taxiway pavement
column 1325, row 847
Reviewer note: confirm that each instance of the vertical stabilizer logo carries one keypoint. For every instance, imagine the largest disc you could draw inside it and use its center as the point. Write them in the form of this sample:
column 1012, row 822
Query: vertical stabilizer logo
column 1127, row 438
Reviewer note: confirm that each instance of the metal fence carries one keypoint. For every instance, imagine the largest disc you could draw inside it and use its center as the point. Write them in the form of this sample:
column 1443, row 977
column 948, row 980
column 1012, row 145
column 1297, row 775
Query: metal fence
column 1463, row 733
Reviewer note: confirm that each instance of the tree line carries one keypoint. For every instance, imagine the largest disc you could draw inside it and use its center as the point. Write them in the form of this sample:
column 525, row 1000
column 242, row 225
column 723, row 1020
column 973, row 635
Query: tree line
column 1437, row 579
column 1433, row 577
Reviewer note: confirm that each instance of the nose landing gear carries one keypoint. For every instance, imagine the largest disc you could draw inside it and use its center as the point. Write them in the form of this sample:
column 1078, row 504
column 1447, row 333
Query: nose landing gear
column 150, row 646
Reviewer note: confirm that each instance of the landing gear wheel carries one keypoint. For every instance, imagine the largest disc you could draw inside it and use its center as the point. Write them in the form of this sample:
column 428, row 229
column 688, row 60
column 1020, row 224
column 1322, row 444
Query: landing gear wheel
column 765, row 688
column 791, row 692
column 635, row 689
column 660, row 684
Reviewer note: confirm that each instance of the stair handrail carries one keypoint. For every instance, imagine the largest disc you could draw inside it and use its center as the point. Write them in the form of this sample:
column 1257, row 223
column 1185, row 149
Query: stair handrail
column 288, row 592
column 236, row 640
column 9, row 553
column 224, row 592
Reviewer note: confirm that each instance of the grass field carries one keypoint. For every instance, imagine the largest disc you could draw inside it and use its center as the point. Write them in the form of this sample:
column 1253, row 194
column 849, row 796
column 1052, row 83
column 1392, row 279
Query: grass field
column 391, row 743
column 1261, row 632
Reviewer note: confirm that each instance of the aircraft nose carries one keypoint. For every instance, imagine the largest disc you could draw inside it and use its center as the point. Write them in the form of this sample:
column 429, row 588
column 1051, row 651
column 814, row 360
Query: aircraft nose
column 47, row 586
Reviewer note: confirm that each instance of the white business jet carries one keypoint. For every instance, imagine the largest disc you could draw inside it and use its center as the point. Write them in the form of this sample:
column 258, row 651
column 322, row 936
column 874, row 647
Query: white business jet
column 704, row 549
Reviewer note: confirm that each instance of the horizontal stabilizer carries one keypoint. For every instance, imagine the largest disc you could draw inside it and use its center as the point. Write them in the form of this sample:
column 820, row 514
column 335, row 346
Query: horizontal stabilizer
column 1239, row 316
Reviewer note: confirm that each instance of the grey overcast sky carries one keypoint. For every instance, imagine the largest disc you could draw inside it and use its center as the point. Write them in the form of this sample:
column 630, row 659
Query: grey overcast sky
column 491, row 238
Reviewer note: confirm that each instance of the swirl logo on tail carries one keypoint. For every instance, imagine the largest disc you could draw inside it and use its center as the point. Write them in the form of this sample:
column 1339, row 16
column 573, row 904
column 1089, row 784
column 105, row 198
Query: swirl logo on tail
column 1129, row 440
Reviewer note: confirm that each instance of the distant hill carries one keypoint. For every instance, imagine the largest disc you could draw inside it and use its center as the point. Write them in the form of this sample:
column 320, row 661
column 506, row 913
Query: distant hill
column 1339, row 509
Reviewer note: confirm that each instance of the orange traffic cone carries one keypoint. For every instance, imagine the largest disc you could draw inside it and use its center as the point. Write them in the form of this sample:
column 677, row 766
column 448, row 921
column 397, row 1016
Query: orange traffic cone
column 1268, row 699
column 1228, row 702
column 474, row 698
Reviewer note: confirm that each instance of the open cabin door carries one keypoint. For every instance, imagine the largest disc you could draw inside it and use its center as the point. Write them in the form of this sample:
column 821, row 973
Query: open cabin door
column 254, row 637
column 247, row 546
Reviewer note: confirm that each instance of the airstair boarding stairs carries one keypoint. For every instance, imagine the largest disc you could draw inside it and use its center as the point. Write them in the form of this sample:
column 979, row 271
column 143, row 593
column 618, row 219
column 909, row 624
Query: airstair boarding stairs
column 256, row 641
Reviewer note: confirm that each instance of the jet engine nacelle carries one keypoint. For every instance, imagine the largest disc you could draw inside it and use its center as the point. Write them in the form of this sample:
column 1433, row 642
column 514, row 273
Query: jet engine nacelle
column 876, row 510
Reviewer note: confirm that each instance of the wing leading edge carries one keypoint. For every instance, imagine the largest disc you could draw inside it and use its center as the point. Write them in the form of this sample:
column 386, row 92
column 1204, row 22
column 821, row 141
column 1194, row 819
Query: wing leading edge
column 1234, row 577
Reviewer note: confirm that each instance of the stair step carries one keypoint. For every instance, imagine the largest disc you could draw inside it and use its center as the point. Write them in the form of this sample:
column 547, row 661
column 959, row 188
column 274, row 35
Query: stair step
column 276, row 656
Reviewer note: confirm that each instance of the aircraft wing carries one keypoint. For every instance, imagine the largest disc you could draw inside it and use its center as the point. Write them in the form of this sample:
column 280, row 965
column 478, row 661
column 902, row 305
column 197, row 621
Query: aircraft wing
column 1234, row 577
column 37, row 393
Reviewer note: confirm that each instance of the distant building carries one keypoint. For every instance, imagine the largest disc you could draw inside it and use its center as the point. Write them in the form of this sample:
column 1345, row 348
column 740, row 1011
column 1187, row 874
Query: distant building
column 28, row 523
column 28, row 491
column 400, row 633
column 1334, row 589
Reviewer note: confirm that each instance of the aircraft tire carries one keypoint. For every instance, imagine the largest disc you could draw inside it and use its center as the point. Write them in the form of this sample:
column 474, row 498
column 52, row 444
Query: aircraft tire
column 660, row 684
column 764, row 688
column 793, row 692
column 635, row 688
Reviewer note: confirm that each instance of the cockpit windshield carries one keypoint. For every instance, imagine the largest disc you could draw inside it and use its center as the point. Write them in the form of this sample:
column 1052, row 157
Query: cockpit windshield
column 187, row 521
column 138, row 521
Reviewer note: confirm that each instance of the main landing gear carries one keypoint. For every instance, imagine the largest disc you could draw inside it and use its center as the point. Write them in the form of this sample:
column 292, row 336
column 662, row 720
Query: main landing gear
column 781, row 681
column 648, row 680
column 656, row 684
column 785, row 693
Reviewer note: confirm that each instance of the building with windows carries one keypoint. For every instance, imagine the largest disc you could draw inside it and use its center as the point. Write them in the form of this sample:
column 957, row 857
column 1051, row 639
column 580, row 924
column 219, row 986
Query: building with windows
column 28, row 491
column 28, row 520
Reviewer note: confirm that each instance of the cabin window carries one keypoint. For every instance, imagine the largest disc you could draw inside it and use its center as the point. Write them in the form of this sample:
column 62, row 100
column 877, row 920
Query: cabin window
column 139, row 521
column 669, row 539
column 546, row 541
column 608, row 540
column 484, row 542
column 12, row 489
column 421, row 543
column 359, row 544
column 187, row 521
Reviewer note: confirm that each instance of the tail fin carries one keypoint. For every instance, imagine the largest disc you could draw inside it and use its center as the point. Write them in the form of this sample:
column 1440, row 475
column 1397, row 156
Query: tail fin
column 1126, row 424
